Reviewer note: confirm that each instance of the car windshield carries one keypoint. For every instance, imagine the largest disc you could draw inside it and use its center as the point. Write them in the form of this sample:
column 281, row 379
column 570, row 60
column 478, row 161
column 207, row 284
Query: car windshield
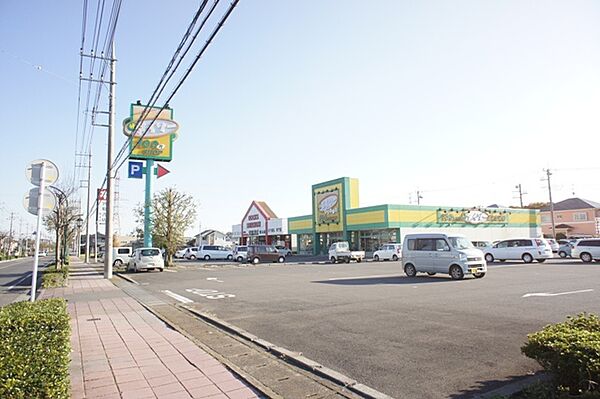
column 460, row 242
column 150, row 252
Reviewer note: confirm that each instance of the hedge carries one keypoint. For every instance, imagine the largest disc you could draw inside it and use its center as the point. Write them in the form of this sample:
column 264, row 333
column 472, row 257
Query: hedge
column 570, row 351
column 34, row 350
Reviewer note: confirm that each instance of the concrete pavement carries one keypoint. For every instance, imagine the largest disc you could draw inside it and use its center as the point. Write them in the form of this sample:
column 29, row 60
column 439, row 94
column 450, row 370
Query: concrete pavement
column 121, row 350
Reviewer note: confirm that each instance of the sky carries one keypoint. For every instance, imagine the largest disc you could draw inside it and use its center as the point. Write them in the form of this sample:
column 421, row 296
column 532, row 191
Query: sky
column 459, row 100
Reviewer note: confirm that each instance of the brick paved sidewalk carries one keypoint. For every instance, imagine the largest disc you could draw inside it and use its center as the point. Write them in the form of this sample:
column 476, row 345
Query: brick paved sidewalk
column 121, row 350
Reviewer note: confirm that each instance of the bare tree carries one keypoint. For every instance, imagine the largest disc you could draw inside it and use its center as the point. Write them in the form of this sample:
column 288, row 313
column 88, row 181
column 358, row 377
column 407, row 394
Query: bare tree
column 62, row 220
column 173, row 212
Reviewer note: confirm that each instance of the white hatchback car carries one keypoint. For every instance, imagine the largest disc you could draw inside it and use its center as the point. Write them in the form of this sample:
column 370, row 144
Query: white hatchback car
column 391, row 251
column 146, row 258
column 525, row 249
column 587, row 250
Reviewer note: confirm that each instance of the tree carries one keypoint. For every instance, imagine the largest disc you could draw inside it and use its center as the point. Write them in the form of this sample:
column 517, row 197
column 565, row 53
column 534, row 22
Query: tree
column 537, row 205
column 63, row 221
column 173, row 212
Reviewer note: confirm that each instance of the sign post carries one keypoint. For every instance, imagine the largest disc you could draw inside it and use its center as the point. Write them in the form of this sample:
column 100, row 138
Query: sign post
column 39, row 173
column 148, row 204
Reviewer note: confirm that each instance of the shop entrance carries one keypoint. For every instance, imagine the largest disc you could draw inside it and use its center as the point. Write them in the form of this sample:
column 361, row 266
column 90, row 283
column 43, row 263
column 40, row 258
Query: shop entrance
column 326, row 239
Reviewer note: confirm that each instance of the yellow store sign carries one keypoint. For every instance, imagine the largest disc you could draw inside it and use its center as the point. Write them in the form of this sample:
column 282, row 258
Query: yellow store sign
column 152, row 137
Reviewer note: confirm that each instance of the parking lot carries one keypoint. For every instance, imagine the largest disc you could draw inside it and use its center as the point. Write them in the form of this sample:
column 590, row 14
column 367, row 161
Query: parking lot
column 427, row 337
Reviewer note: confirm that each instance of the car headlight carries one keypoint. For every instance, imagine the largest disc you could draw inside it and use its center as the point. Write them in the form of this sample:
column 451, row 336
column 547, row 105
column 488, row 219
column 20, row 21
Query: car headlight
column 462, row 256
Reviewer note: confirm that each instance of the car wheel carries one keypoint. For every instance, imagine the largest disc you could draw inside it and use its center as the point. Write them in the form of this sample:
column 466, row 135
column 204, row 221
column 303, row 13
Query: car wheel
column 192, row 257
column 456, row 272
column 489, row 258
column 527, row 258
column 562, row 254
column 478, row 275
column 347, row 260
column 206, row 257
column 288, row 254
column 376, row 258
column 229, row 257
column 541, row 260
column 587, row 258
column 239, row 259
column 395, row 258
column 333, row 260
column 431, row 273
column 255, row 260
column 358, row 260
column 117, row 263
column 162, row 269
column 410, row 270
column 281, row 259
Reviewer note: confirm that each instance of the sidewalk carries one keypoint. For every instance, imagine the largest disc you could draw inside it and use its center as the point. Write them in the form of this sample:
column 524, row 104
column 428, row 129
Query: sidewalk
column 121, row 350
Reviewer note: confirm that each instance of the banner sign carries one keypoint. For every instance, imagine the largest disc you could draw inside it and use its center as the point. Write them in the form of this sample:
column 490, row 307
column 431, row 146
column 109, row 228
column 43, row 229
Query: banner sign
column 152, row 139
column 472, row 217
column 328, row 206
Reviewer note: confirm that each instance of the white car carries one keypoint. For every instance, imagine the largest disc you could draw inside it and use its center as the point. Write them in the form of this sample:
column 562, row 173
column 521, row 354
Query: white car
column 240, row 253
column 525, row 249
column 553, row 244
column 392, row 251
column 180, row 253
column 283, row 250
column 191, row 253
column 587, row 250
column 146, row 259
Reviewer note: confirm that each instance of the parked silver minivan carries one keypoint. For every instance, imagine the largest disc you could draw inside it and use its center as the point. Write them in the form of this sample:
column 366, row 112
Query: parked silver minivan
column 442, row 253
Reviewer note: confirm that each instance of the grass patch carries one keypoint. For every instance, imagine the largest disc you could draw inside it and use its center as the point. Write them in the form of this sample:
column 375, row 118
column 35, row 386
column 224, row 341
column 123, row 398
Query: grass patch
column 52, row 278
column 34, row 350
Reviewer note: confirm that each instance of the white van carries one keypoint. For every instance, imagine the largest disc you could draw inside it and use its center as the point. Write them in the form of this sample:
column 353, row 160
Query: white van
column 587, row 250
column 121, row 255
column 208, row 252
column 441, row 253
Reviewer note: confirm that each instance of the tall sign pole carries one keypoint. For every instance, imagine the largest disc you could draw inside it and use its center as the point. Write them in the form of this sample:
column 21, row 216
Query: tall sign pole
column 148, row 203
column 108, row 244
column 38, row 228
column 88, row 217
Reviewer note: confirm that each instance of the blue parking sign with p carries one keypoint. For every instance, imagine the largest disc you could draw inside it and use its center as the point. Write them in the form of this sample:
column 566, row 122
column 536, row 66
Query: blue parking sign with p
column 136, row 170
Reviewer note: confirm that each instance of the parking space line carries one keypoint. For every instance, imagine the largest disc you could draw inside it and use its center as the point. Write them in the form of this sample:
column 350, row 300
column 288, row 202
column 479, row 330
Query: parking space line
column 399, row 274
column 177, row 297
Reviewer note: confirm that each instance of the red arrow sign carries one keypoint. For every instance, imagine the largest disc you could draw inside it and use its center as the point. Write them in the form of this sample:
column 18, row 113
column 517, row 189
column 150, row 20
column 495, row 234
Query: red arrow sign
column 161, row 171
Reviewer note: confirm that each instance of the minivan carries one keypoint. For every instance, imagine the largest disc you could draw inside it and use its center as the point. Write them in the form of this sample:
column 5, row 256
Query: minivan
column 587, row 250
column 525, row 249
column 240, row 253
column 442, row 253
column 263, row 253
column 208, row 252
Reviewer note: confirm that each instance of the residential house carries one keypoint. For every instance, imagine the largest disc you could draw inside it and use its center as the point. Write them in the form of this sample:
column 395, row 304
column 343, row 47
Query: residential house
column 211, row 237
column 573, row 217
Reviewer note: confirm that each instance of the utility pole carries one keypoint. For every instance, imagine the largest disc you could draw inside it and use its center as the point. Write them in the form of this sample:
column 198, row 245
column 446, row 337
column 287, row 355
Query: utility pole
column 548, row 174
column 87, row 218
column 419, row 197
column 108, row 244
column 10, row 232
column 521, row 193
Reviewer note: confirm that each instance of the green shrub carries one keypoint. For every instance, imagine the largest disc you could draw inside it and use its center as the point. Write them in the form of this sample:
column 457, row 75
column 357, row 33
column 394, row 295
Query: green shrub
column 570, row 351
column 51, row 278
column 34, row 350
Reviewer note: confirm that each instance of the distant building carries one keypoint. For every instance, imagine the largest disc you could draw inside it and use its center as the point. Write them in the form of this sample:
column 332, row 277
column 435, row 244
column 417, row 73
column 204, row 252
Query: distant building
column 211, row 237
column 573, row 217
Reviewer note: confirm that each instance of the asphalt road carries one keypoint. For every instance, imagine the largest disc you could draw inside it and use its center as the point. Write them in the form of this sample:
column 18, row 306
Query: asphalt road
column 15, row 279
column 426, row 337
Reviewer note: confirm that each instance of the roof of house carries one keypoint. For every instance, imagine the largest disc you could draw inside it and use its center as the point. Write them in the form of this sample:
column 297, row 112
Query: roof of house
column 265, row 208
column 573, row 203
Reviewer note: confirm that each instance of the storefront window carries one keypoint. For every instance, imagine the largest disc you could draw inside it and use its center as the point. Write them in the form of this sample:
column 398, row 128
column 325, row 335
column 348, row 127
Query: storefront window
column 372, row 240
column 305, row 244
column 326, row 239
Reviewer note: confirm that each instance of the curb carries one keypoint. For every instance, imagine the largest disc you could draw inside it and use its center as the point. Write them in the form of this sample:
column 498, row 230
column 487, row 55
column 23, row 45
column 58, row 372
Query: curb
column 126, row 278
column 293, row 357
column 514, row 387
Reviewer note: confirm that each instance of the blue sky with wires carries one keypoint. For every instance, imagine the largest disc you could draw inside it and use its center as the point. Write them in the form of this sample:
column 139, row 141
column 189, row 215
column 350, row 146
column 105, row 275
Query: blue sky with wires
column 460, row 100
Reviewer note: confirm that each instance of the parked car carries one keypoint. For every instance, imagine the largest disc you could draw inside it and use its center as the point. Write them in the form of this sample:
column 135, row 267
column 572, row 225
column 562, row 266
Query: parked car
column 553, row 244
column 482, row 244
column 587, row 250
column 180, row 253
column 263, row 253
column 391, row 251
column 240, row 253
column 191, row 253
column 146, row 259
column 340, row 252
column 526, row 249
column 441, row 253
column 121, row 255
column 283, row 250
column 208, row 252
column 565, row 249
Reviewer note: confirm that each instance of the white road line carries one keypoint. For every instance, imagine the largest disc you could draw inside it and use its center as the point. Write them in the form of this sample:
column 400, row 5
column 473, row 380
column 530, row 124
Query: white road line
column 177, row 297
column 399, row 274
column 17, row 283
column 214, row 279
column 556, row 294
column 170, row 271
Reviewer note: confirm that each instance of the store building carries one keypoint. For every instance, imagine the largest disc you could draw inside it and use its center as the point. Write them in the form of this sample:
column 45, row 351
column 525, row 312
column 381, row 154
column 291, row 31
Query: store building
column 260, row 225
column 336, row 216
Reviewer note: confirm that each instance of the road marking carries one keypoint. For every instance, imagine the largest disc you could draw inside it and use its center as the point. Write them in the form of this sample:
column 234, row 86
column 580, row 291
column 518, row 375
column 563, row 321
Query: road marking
column 170, row 271
column 359, row 277
column 556, row 294
column 17, row 283
column 214, row 279
column 177, row 297
column 210, row 294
